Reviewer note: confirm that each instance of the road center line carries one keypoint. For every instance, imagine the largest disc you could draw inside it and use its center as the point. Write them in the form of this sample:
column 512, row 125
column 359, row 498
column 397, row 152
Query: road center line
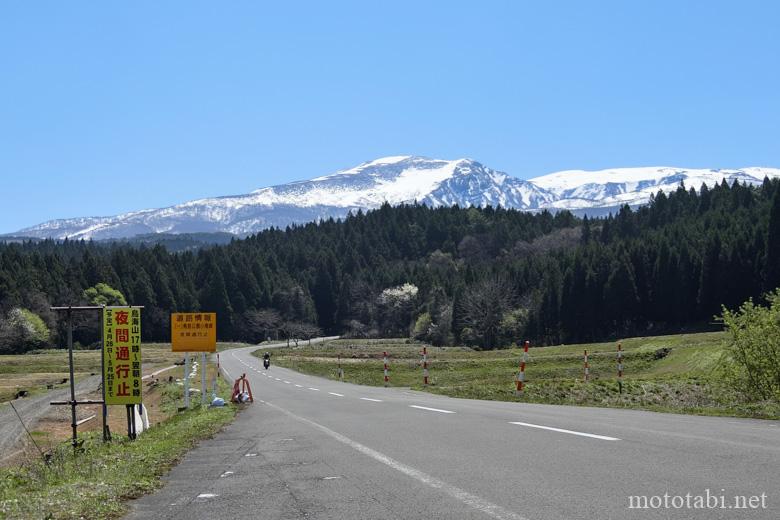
column 299, row 386
column 471, row 500
column 315, row 389
column 334, row 393
column 430, row 409
column 369, row 399
column 561, row 430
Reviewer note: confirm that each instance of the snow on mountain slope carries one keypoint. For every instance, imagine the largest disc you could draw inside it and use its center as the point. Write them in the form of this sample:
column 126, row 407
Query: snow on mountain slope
column 396, row 180
column 580, row 189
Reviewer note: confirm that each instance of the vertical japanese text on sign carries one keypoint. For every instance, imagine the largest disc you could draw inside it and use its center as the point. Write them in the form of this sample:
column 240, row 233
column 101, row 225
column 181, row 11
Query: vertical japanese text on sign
column 122, row 355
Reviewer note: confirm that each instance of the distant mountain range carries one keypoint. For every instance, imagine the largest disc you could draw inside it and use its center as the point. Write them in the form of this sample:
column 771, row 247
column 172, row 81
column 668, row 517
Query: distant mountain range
column 396, row 180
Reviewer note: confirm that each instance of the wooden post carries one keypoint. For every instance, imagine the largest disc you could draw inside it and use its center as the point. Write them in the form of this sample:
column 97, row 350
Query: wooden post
column 587, row 368
column 425, row 366
column 106, row 432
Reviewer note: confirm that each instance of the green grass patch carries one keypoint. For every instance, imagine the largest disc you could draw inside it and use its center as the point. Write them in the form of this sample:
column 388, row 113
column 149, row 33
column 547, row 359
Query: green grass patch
column 95, row 483
column 676, row 373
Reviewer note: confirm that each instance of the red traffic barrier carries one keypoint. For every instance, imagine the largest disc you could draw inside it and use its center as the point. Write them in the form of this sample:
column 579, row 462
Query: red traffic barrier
column 520, row 382
column 242, row 392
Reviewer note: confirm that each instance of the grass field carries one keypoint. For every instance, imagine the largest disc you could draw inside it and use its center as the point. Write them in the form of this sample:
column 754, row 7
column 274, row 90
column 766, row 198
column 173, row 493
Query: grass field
column 682, row 379
column 97, row 482
column 35, row 371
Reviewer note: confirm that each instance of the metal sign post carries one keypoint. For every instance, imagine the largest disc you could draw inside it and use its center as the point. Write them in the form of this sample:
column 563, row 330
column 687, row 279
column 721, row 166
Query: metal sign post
column 73, row 403
column 194, row 332
column 186, row 380
column 203, row 378
column 72, row 383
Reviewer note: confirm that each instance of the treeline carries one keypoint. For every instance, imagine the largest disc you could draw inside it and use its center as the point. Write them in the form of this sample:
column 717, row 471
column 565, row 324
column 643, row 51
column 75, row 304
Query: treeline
column 484, row 277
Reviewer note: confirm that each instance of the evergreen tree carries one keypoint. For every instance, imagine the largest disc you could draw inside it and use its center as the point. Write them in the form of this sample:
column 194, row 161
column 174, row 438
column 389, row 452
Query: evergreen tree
column 772, row 269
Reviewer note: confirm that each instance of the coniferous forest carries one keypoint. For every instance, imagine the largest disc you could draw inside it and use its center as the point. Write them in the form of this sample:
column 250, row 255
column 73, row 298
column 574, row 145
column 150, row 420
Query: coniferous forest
column 481, row 277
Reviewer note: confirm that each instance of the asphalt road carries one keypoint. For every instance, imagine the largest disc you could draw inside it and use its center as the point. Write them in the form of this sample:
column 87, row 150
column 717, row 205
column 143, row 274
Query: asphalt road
column 313, row 448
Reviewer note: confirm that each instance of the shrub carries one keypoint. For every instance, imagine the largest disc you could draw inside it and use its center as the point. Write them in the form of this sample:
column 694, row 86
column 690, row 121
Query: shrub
column 753, row 356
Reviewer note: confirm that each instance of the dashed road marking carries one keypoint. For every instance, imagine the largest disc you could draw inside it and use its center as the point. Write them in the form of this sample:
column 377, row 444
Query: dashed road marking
column 334, row 393
column 369, row 399
column 315, row 389
column 469, row 499
column 430, row 409
column 561, row 430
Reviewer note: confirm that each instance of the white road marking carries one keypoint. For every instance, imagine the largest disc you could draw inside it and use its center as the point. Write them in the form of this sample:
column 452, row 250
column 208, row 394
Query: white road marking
column 471, row 500
column 287, row 382
column 334, row 393
column 207, row 495
column 315, row 389
column 329, row 478
column 226, row 474
column 299, row 386
column 277, row 379
column 561, row 430
column 431, row 409
column 369, row 399
column 251, row 455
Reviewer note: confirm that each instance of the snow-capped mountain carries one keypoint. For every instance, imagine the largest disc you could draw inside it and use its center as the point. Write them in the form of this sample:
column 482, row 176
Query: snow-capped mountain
column 612, row 188
column 396, row 180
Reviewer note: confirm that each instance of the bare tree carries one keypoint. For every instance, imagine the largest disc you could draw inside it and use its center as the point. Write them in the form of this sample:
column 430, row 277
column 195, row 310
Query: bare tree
column 262, row 323
column 297, row 330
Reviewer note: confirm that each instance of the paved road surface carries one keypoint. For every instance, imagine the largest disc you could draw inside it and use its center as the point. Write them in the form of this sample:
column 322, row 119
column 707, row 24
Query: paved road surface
column 321, row 449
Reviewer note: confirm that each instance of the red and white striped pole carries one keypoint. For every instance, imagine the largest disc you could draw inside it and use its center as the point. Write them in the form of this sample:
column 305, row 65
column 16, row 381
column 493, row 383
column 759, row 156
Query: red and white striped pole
column 387, row 376
column 587, row 367
column 521, row 375
column 425, row 365
column 620, row 367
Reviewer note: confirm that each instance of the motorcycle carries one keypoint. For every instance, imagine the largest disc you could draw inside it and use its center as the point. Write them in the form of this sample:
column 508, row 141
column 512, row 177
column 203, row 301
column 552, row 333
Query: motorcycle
column 266, row 363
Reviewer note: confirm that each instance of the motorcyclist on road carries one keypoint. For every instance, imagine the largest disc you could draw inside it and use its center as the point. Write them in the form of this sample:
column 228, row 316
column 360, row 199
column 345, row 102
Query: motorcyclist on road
column 266, row 360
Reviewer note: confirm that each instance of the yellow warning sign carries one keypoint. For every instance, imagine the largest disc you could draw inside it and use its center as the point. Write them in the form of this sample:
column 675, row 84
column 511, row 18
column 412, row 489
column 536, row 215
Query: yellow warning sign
column 122, row 355
column 194, row 331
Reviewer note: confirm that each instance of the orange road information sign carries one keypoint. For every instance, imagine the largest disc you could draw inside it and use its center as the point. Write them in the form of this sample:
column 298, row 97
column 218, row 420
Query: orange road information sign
column 122, row 355
column 194, row 331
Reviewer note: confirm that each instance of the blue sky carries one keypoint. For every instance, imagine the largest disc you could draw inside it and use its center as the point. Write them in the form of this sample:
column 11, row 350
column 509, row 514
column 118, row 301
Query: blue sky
column 108, row 107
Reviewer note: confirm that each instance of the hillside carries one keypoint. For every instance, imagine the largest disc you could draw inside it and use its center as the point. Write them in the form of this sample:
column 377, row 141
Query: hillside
column 476, row 277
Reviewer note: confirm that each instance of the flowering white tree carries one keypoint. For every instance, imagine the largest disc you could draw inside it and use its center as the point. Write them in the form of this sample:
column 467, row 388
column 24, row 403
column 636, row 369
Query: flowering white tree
column 395, row 305
column 22, row 330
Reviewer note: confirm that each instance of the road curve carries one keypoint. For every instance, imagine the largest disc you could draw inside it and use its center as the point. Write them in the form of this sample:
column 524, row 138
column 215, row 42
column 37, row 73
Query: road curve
column 314, row 448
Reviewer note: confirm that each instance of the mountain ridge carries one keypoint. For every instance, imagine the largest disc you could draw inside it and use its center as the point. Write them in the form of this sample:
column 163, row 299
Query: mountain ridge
column 397, row 180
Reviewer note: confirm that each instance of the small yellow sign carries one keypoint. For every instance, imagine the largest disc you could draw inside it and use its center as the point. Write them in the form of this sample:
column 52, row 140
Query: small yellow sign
column 194, row 332
column 122, row 355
